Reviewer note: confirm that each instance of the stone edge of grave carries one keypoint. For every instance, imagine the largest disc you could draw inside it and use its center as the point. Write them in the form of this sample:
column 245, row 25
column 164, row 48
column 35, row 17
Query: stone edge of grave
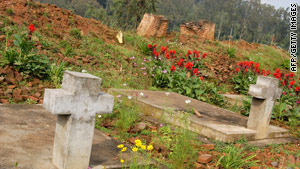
column 210, row 132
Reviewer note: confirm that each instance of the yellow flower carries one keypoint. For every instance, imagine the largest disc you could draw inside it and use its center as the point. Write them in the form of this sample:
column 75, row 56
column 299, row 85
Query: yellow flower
column 122, row 161
column 150, row 147
column 124, row 149
column 137, row 141
column 143, row 147
column 120, row 146
column 138, row 144
column 134, row 149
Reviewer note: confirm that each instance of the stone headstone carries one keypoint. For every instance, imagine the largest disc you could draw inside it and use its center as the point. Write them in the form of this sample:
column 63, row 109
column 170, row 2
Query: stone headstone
column 203, row 30
column 153, row 26
column 76, row 106
column 264, row 93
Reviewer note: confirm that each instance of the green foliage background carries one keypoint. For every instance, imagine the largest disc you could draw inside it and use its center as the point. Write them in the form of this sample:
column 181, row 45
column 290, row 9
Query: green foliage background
column 241, row 19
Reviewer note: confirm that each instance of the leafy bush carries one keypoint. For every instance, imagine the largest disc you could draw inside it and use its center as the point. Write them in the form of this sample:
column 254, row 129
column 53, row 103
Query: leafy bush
column 235, row 158
column 184, row 78
column 25, row 58
column 231, row 52
column 56, row 73
column 76, row 33
column 247, row 72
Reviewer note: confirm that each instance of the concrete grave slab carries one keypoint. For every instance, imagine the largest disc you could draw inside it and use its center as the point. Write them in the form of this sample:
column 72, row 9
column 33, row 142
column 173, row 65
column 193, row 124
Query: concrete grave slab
column 27, row 136
column 216, row 123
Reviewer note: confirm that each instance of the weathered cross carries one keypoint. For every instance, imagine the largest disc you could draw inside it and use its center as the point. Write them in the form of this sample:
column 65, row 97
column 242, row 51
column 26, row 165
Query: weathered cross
column 76, row 105
column 264, row 93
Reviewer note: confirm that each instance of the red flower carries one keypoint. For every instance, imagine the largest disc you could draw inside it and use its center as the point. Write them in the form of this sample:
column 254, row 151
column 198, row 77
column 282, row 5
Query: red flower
column 292, row 83
column 256, row 65
column 180, row 62
column 201, row 78
column 257, row 71
column 31, row 28
column 163, row 49
column 283, row 83
column 149, row 46
column 291, row 74
column 173, row 68
column 168, row 56
column 189, row 66
column 246, row 70
column 195, row 71
column 237, row 70
column 268, row 72
column 196, row 53
column 174, row 52
column 154, row 52
column 240, row 64
column 204, row 55
column 297, row 90
column 277, row 70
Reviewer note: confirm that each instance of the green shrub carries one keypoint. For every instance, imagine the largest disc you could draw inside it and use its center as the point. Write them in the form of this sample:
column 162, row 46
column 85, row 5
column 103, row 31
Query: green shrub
column 76, row 33
column 56, row 73
column 10, row 12
column 235, row 158
column 23, row 56
column 181, row 79
column 231, row 52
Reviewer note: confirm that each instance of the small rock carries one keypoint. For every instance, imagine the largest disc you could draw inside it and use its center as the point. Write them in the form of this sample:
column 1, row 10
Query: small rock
column 197, row 165
column 29, row 84
column 11, row 86
column 208, row 146
column 292, row 159
column 37, row 94
column 36, row 81
column 33, row 98
column 8, row 91
column 274, row 164
column 131, row 140
column 141, row 126
column 11, row 80
column 18, row 76
column 4, row 101
column 205, row 158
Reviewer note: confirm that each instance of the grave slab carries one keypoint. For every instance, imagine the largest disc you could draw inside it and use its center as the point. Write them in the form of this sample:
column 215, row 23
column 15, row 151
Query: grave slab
column 216, row 123
column 27, row 137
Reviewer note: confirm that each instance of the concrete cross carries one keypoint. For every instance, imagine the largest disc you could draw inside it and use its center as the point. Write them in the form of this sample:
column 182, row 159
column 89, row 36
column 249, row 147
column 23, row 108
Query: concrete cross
column 76, row 106
column 264, row 93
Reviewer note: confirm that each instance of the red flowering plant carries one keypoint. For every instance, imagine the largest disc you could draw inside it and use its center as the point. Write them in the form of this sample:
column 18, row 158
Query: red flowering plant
column 246, row 74
column 291, row 90
column 182, row 76
column 24, row 56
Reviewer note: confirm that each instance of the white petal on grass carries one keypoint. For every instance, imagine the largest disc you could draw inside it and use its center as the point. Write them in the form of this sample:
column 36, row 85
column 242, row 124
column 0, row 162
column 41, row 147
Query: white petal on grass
column 84, row 71
column 141, row 94
column 129, row 97
column 188, row 101
column 167, row 93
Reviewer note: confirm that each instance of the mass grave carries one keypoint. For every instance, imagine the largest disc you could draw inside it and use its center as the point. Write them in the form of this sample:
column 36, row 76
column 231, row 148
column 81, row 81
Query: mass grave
column 27, row 132
column 215, row 123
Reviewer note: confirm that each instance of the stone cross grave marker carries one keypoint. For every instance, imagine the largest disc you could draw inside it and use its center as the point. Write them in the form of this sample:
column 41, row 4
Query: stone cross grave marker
column 76, row 106
column 264, row 93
